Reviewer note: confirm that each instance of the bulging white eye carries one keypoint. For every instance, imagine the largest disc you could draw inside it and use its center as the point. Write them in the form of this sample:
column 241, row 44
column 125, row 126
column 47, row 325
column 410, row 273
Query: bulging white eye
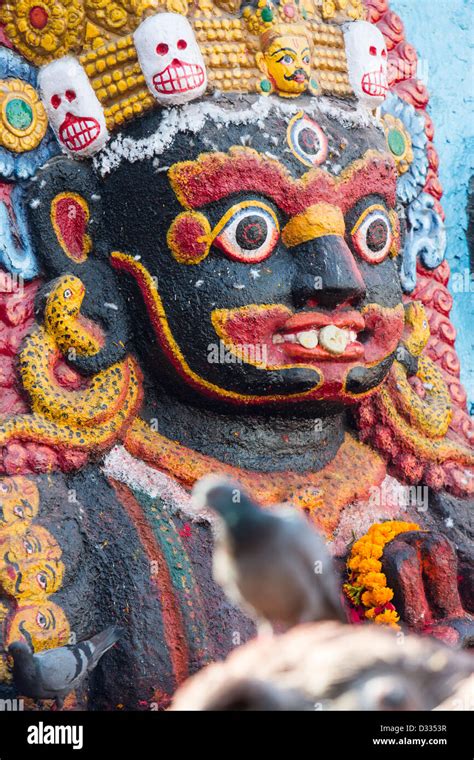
column 372, row 235
column 307, row 140
column 248, row 232
column 42, row 620
column 42, row 580
column 67, row 293
column 28, row 546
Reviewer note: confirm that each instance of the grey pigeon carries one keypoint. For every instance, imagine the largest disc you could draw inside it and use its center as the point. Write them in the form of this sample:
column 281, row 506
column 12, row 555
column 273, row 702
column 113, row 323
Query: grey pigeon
column 54, row 673
column 270, row 562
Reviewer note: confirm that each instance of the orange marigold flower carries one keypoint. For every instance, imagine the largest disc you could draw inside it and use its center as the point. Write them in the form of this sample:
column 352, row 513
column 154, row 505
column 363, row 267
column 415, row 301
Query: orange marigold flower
column 370, row 566
column 377, row 535
column 367, row 599
column 354, row 563
column 362, row 549
column 369, row 584
column 377, row 551
column 388, row 617
column 381, row 595
column 374, row 579
column 364, row 552
column 386, row 527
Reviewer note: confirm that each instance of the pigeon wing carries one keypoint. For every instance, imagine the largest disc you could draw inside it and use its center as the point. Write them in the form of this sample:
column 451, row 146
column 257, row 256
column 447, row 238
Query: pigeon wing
column 311, row 548
column 59, row 669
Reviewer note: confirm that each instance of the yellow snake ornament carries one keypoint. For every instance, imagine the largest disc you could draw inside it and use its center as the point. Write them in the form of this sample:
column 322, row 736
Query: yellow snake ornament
column 431, row 414
column 421, row 422
column 90, row 417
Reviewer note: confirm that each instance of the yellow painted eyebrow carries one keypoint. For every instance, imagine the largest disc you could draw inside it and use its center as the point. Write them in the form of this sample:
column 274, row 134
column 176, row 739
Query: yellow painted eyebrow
column 316, row 221
column 365, row 214
column 232, row 211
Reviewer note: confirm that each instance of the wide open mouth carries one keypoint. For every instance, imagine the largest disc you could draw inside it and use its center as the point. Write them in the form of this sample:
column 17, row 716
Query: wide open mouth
column 78, row 132
column 180, row 77
column 311, row 337
column 375, row 83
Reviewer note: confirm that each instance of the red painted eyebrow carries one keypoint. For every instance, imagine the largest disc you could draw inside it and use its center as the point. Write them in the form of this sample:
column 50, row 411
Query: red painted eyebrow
column 214, row 176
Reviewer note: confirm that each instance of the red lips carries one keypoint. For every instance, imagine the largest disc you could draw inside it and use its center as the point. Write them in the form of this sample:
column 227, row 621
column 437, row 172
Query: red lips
column 352, row 320
column 377, row 331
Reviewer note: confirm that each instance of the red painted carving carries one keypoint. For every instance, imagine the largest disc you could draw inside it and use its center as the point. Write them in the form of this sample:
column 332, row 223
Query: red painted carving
column 433, row 185
column 217, row 176
column 392, row 29
column 433, row 158
column 16, row 313
column 429, row 128
column 376, row 9
column 70, row 217
column 402, row 63
column 422, row 569
column 414, row 92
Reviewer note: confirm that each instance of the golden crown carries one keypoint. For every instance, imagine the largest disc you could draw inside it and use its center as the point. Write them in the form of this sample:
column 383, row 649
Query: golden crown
column 229, row 33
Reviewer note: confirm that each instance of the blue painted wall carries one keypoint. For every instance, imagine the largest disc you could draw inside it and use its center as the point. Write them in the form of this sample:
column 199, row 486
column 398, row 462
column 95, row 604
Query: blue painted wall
column 442, row 31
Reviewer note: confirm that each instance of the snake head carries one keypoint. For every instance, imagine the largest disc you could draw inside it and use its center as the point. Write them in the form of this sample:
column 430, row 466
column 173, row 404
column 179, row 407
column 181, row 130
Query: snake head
column 64, row 298
column 417, row 328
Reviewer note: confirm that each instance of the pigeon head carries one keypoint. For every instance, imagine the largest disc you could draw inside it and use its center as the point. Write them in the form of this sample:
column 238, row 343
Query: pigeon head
column 225, row 497
column 19, row 651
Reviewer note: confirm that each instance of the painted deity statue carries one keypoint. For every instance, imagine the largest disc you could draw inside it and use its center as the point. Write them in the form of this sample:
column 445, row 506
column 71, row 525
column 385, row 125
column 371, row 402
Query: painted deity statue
column 222, row 251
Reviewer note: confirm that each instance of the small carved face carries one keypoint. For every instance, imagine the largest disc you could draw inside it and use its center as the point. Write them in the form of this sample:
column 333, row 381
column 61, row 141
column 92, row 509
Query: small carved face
column 74, row 111
column 34, row 543
column 31, row 580
column 170, row 58
column 287, row 64
column 19, row 502
column 41, row 626
column 367, row 62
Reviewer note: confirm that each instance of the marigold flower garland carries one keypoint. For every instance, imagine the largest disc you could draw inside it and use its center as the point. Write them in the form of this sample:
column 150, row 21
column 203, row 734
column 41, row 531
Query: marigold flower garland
column 367, row 585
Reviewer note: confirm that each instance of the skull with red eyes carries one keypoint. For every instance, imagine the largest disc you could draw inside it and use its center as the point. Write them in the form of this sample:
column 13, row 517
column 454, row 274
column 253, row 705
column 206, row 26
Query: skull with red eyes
column 367, row 62
column 170, row 58
column 74, row 112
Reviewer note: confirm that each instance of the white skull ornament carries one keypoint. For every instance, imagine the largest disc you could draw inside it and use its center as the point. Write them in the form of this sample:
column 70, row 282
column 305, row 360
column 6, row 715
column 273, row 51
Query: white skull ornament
column 367, row 62
column 75, row 114
column 170, row 58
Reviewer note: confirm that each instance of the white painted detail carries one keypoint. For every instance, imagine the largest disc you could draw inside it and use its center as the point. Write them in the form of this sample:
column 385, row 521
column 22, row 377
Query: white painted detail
column 170, row 58
column 74, row 111
column 367, row 62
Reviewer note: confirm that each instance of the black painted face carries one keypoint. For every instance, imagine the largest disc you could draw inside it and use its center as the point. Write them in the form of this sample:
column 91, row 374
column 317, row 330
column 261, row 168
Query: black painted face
column 264, row 253
column 253, row 254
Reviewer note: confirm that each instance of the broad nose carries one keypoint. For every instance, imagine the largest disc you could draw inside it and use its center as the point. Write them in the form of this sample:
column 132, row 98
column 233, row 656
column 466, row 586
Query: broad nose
column 326, row 274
